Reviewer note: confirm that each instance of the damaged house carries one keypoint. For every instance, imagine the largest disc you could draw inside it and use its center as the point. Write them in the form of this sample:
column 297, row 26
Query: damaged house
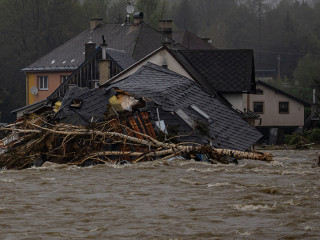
column 176, row 104
column 195, row 97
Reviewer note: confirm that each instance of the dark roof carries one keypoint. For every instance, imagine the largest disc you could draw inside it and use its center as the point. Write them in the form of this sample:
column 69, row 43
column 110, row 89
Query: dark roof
column 190, row 40
column 284, row 93
column 226, row 70
column 93, row 106
column 31, row 107
column 172, row 91
column 136, row 41
column 123, row 59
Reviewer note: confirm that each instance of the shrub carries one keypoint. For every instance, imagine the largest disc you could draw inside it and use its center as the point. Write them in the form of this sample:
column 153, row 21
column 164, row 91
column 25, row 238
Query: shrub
column 293, row 139
column 313, row 135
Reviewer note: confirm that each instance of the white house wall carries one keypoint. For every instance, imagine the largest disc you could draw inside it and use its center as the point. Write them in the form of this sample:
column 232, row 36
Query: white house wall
column 238, row 101
column 271, row 116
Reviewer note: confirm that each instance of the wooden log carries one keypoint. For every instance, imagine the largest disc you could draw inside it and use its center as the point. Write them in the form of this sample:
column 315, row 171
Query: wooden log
column 245, row 155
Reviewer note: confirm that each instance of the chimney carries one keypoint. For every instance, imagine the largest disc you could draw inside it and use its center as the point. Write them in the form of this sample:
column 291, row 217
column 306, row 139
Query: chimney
column 89, row 47
column 137, row 18
column 95, row 22
column 166, row 27
column 104, row 64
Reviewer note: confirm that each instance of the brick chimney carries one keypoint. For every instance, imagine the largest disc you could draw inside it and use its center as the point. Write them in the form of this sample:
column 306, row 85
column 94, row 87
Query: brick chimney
column 95, row 22
column 166, row 27
column 104, row 64
column 137, row 18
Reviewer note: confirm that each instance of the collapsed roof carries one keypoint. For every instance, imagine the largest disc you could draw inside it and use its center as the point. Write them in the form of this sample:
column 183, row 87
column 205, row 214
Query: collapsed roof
column 174, row 99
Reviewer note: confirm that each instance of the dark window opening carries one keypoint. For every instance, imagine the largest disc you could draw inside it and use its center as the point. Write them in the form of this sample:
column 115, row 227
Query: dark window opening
column 283, row 107
column 258, row 107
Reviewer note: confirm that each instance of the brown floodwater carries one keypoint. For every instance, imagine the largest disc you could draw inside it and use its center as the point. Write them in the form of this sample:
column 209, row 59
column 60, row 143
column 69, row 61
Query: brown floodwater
column 164, row 200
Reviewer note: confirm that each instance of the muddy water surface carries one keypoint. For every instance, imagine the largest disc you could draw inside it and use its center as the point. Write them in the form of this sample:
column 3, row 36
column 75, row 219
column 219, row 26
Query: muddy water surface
column 164, row 200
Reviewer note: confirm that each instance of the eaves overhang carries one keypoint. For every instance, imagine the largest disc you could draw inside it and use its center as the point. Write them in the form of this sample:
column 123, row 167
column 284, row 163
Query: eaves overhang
column 50, row 69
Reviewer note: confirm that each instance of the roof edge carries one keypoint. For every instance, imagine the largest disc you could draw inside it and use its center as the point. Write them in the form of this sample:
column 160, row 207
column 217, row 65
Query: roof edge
column 306, row 104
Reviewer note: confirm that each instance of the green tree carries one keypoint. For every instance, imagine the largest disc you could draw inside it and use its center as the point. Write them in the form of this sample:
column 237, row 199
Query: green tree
column 307, row 71
column 30, row 29
column 117, row 12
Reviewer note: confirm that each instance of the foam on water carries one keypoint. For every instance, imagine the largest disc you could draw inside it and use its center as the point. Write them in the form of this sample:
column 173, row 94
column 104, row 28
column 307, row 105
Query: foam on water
column 205, row 170
column 245, row 234
column 7, row 180
column 182, row 180
column 253, row 207
column 222, row 184
column 298, row 172
column 276, row 163
column 48, row 178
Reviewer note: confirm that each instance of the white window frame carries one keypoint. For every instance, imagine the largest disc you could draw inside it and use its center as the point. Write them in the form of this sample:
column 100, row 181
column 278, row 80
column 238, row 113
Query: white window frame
column 43, row 83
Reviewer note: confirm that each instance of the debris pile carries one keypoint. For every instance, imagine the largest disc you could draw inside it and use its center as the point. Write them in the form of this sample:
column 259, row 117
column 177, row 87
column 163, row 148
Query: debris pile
column 104, row 142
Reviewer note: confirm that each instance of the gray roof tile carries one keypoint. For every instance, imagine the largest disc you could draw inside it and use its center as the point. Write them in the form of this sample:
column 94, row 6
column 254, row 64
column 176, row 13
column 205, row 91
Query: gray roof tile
column 160, row 85
column 226, row 70
column 136, row 41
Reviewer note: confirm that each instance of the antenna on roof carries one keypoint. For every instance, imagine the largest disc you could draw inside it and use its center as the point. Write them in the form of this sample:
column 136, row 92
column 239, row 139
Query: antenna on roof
column 129, row 9
column 103, row 40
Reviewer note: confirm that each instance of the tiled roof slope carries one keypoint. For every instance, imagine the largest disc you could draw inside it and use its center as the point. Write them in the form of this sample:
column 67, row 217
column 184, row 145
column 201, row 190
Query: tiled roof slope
column 227, row 70
column 120, row 57
column 137, row 41
column 190, row 40
column 172, row 91
column 94, row 102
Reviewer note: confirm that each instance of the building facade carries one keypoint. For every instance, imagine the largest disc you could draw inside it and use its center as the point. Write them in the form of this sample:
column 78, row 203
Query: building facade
column 280, row 113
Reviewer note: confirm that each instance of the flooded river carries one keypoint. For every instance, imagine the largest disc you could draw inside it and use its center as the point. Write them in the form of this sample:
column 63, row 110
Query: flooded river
column 164, row 200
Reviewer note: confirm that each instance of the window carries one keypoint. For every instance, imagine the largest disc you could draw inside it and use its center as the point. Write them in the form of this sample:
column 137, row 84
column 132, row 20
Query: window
column 258, row 107
column 284, row 107
column 43, row 82
column 64, row 78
